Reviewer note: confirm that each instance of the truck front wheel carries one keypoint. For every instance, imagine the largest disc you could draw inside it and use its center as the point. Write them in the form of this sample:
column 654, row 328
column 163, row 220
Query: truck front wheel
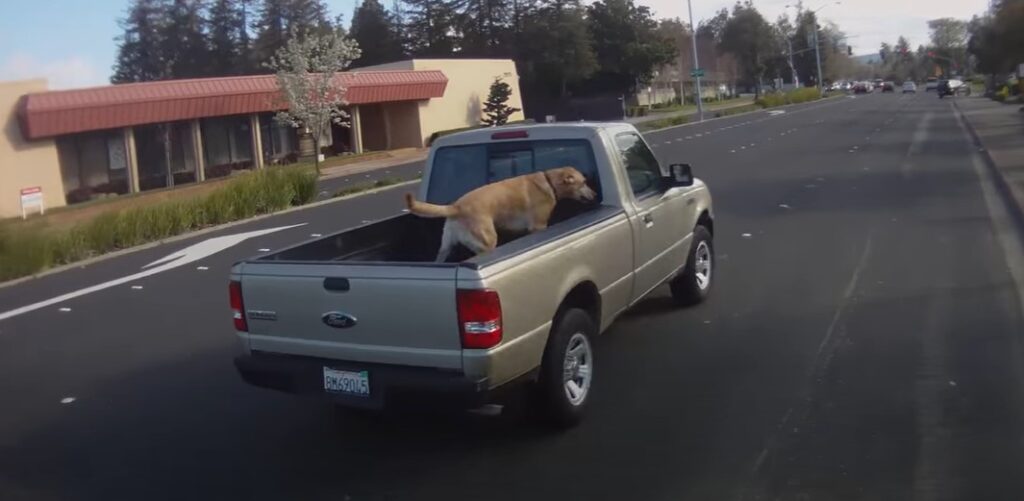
column 693, row 285
column 567, row 370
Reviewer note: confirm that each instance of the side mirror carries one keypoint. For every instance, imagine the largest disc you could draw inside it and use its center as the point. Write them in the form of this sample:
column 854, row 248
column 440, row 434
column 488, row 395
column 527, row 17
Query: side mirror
column 680, row 175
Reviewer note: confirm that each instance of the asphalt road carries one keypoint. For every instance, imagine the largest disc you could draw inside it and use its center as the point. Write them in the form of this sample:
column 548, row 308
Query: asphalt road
column 863, row 342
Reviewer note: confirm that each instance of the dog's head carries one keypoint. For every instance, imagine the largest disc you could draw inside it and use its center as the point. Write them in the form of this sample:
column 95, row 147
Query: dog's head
column 569, row 183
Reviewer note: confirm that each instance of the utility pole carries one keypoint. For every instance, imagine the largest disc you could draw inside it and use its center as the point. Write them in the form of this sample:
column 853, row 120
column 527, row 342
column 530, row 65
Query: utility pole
column 817, row 55
column 792, row 67
column 696, row 65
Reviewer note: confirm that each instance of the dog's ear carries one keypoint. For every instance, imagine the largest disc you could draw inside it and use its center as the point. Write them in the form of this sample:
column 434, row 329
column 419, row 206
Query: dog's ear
column 568, row 179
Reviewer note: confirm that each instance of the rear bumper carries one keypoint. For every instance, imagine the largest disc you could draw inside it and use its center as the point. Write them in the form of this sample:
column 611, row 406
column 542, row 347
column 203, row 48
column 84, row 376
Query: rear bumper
column 389, row 384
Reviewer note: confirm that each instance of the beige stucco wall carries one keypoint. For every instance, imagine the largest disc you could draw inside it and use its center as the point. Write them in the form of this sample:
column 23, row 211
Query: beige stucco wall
column 469, row 81
column 24, row 164
column 405, row 133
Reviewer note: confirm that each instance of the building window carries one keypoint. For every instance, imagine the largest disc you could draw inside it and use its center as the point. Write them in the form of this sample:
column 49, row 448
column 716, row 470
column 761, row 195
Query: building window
column 280, row 142
column 227, row 145
column 93, row 165
column 166, row 155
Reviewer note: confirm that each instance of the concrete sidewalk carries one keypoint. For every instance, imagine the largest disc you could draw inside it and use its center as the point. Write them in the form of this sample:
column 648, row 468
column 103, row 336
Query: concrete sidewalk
column 1000, row 130
column 708, row 108
column 384, row 160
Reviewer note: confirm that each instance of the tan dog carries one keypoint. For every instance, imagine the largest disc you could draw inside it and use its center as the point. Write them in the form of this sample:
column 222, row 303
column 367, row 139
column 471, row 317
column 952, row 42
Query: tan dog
column 521, row 203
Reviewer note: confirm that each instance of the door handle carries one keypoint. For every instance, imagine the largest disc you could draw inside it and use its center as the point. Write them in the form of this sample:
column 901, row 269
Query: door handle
column 648, row 219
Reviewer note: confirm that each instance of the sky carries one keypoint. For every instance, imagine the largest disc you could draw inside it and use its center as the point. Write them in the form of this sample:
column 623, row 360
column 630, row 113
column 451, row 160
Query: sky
column 71, row 42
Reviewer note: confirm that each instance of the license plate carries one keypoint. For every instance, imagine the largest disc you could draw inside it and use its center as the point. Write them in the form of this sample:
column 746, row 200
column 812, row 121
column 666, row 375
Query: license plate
column 347, row 382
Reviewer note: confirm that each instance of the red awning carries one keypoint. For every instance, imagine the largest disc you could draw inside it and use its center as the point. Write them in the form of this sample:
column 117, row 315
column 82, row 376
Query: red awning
column 48, row 114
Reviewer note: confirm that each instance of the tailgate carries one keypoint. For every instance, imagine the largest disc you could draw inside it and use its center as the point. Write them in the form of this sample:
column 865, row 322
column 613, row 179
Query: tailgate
column 402, row 314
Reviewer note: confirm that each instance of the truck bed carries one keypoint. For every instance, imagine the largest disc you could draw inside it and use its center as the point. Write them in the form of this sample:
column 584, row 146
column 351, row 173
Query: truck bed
column 408, row 238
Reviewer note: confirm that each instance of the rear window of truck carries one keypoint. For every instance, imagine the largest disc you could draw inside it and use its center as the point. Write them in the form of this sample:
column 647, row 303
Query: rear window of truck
column 457, row 170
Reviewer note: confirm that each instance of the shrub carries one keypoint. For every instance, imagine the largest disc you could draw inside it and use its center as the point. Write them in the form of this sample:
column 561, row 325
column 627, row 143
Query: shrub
column 30, row 249
column 1002, row 94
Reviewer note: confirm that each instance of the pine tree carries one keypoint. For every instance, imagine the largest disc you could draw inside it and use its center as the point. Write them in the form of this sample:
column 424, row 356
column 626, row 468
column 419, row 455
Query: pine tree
column 429, row 26
column 271, row 31
column 139, row 57
column 278, row 19
column 485, row 27
column 496, row 106
column 376, row 32
column 184, row 47
column 227, row 38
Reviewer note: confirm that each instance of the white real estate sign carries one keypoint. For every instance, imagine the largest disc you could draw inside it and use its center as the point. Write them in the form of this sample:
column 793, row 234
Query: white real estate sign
column 31, row 197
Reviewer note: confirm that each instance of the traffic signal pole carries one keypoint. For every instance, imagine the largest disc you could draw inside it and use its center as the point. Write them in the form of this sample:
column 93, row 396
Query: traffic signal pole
column 696, row 65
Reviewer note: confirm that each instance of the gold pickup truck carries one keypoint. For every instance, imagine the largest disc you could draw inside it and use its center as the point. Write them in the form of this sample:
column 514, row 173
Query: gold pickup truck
column 365, row 317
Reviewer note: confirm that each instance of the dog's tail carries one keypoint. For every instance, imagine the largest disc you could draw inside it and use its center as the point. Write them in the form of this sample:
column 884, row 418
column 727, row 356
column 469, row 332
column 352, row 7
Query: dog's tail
column 424, row 209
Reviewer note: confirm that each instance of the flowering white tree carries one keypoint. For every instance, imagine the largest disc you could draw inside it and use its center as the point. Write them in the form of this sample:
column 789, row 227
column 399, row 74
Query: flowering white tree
column 306, row 69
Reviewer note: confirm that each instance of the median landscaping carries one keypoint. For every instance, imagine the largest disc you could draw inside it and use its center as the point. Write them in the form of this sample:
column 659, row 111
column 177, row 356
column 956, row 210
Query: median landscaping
column 29, row 247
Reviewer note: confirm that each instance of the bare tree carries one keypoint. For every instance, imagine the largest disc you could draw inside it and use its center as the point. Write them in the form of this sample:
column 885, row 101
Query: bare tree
column 307, row 74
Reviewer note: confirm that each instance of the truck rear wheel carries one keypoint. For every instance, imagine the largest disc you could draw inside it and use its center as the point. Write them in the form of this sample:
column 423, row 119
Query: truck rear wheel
column 567, row 371
column 693, row 285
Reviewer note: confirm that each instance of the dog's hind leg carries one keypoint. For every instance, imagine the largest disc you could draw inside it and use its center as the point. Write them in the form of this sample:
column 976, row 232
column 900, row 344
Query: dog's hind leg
column 482, row 237
column 447, row 242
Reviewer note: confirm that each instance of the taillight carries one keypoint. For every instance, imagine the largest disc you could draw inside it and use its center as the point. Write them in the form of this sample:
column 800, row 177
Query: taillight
column 237, row 307
column 511, row 134
column 479, row 317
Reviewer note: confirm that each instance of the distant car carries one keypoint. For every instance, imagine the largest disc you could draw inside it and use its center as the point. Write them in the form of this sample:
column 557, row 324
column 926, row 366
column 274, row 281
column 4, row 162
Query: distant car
column 888, row 87
column 951, row 87
column 847, row 86
column 861, row 88
column 910, row 87
column 931, row 84
column 878, row 83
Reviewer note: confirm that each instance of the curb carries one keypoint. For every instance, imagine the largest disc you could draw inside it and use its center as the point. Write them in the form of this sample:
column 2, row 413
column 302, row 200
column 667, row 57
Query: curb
column 122, row 252
column 1014, row 199
column 687, row 124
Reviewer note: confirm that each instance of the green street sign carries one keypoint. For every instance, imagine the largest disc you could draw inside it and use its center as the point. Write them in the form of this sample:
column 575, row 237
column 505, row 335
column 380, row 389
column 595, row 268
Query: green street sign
column 697, row 72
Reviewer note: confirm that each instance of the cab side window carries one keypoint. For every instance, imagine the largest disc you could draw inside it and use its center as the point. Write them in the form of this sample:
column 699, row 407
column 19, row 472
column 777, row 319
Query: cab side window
column 641, row 167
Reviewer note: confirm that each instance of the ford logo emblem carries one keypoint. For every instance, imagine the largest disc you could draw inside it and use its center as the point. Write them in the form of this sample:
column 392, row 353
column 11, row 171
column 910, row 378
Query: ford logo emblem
column 338, row 320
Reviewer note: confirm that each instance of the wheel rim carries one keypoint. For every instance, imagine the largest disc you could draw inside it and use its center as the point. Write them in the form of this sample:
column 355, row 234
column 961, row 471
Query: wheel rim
column 578, row 369
column 702, row 265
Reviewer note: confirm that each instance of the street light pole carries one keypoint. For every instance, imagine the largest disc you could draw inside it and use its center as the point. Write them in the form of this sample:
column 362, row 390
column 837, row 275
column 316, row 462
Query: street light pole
column 817, row 49
column 696, row 65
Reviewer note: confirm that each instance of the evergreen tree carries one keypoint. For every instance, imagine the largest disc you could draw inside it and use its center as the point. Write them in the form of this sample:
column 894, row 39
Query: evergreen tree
column 271, row 31
column 184, row 46
column 139, row 56
column 428, row 27
column 627, row 44
column 277, row 19
column 376, row 32
column 558, row 52
column 496, row 106
column 228, row 38
column 485, row 26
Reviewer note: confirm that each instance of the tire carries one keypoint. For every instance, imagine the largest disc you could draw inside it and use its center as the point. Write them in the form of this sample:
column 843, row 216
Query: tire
column 562, row 407
column 693, row 285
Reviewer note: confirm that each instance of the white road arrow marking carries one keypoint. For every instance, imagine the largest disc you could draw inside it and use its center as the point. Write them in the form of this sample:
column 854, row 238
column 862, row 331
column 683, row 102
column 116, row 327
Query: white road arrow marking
column 187, row 255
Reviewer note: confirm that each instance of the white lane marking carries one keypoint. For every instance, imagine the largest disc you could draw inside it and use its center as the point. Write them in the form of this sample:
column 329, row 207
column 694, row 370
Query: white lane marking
column 64, row 309
column 263, row 249
column 732, row 151
column 136, row 287
column 698, row 135
column 776, row 112
column 202, row 268
column 916, row 144
column 809, row 186
column 668, row 142
column 67, row 400
column 747, row 235
column 689, row 137
column 315, row 235
column 185, row 256
column 784, row 206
